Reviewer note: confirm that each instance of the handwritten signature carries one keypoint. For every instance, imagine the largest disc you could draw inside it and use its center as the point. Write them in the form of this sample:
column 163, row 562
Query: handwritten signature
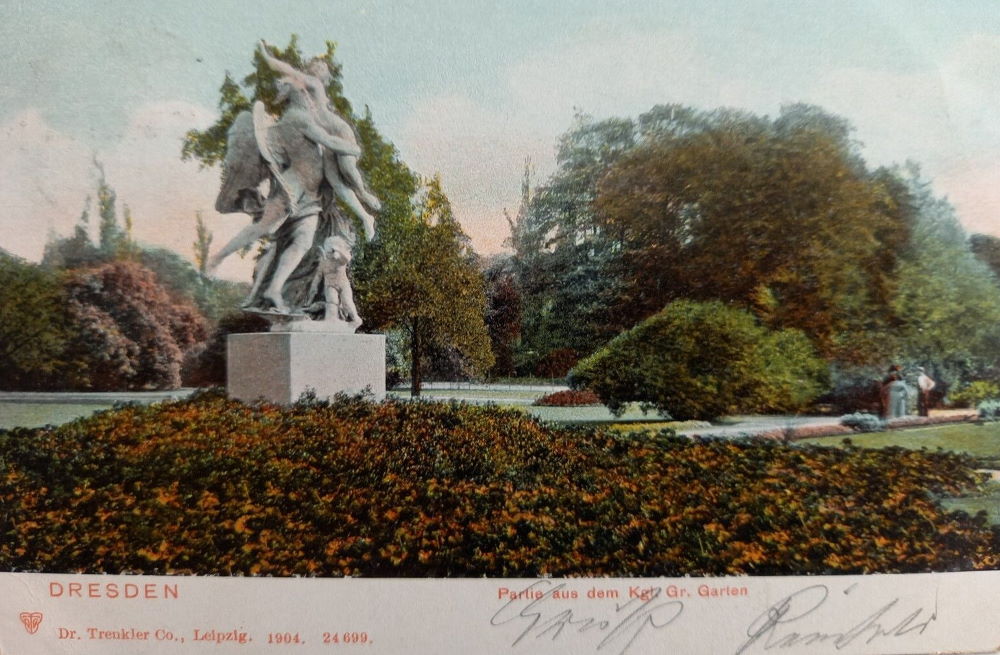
column 771, row 629
column 542, row 617
column 539, row 612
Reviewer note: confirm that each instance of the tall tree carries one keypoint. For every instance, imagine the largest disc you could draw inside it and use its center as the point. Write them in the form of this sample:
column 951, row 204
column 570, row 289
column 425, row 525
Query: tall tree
column 561, row 254
column 503, row 315
column 948, row 301
column 127, row 246
column 202, row 244
column 779, row 217
column 421, row 275
column 111, row 235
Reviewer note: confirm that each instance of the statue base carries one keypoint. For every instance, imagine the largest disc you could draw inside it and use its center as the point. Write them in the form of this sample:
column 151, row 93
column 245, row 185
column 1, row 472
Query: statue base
column 280, row 366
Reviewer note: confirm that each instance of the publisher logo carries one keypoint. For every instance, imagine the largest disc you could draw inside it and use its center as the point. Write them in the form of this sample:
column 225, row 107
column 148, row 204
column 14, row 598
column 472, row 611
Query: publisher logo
column 31, row 621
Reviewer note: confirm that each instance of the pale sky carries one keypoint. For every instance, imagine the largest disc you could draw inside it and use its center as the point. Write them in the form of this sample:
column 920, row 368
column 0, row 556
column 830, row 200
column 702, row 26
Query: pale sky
column 469, row 89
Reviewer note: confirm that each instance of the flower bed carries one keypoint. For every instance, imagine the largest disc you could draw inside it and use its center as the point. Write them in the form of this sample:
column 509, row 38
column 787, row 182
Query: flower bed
column 939, row 419
column 215, row 487
column 569, row 398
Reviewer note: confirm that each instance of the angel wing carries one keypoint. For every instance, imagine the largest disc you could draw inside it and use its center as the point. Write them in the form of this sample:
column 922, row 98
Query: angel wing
column 243, row 169
column 262, row 124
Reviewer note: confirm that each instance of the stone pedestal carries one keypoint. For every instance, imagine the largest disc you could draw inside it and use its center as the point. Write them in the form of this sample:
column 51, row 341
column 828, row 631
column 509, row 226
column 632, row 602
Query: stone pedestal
column 280, row 366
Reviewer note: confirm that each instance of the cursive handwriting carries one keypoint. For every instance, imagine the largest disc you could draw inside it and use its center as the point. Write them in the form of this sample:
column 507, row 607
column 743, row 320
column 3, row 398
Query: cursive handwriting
column 771, row 629
column 544, row 616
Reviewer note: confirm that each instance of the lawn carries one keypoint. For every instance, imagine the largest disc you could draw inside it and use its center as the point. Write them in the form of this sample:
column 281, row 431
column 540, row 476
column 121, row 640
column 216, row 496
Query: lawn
column 31, row 415
column 980, row 441
column 500, row 396
column 632, row 419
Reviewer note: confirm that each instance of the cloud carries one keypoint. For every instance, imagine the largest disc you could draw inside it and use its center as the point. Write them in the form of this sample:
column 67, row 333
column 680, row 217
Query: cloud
column 45, row 182
column 48, row 176
column 479, row 145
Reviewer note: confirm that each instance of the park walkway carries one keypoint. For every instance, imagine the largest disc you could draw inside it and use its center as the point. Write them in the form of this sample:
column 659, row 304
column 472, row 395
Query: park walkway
column 32, row 409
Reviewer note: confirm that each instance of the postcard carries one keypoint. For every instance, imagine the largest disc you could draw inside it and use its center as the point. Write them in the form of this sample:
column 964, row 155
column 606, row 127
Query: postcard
column 459, row 326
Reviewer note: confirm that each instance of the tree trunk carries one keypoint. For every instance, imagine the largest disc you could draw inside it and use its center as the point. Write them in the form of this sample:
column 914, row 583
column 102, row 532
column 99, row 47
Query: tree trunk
column 415, row 355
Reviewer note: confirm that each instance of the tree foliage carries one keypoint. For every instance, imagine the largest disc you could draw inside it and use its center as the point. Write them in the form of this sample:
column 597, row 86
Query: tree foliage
column 986, row 248
column 948, row 303
column 107, row 327
column 420, row 275
column 33, row 332
column 128, row 332
column 503, row 316
column 778, row 216
column 561, row 256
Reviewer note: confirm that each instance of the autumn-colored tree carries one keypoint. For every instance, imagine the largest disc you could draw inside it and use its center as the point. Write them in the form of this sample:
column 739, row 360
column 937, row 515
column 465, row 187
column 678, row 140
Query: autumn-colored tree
column 129, row 333
column 778, row 217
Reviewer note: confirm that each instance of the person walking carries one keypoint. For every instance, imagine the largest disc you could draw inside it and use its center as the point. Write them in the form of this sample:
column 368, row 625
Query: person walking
column 924, row 386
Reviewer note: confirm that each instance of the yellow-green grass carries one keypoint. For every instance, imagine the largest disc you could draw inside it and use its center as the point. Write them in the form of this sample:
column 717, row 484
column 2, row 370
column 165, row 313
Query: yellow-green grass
column 988, row 500
column 979, row 440
column 32, row 415
column 656, row 426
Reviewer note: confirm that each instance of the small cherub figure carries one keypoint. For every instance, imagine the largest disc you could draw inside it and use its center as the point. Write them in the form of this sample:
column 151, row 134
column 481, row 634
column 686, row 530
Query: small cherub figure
column 335, row 257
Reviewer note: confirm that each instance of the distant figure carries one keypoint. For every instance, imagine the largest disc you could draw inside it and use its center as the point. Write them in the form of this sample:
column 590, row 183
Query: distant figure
column 899, row 393
column 924, row 385
column 894, row 390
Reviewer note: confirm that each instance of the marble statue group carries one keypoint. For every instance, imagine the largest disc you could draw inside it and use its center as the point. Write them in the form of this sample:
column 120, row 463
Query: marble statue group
column 305, row 162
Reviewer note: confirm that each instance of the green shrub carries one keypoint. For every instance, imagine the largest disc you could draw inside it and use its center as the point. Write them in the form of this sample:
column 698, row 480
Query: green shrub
column 215, row 487
column 863, row 422
column 972, row 394
column 989, row 410
column 704, row 360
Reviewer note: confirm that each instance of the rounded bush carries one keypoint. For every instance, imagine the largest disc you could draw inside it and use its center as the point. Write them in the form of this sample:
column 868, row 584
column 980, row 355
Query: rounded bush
column 974, row 393
column 704, row 360
column 863, row 422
